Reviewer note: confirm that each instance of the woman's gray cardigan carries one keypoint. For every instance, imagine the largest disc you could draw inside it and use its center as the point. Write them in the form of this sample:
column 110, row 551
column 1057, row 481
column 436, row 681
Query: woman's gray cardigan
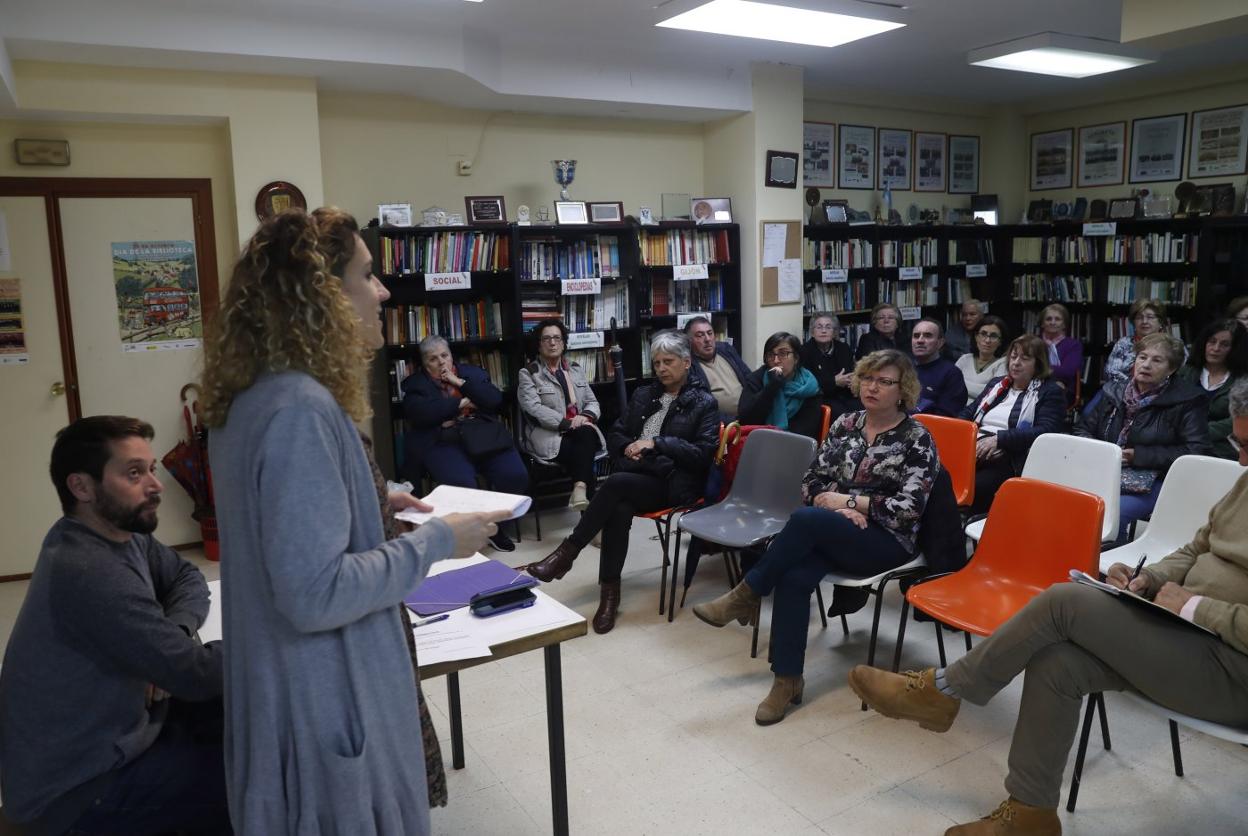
column 544, row 404
column 322, row 735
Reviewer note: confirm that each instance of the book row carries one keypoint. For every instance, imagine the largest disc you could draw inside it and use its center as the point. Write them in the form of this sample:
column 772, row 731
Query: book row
column 684, row 246
column 664, row 297
column 444, row 252
column 597, row 257
column 406, row 324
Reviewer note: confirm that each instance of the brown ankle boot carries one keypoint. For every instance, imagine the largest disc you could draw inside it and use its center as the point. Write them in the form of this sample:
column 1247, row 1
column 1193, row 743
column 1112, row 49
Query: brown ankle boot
column 1012, row 818
column 785, row 691
column 909, row 696
column 556, row 564
column 740, row 603
column 608, row 607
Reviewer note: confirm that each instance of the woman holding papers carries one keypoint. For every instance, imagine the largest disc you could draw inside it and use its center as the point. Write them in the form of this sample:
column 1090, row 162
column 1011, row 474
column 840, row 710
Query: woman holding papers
column 319, row 693
column 866, row 491
column 1155, row 417
column 661, row 449
column 1011, row 412
column 561, row 412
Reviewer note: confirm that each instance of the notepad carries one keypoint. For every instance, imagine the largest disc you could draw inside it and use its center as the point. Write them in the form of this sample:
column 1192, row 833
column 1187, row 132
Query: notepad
column 1087, row 580
column 448, row 499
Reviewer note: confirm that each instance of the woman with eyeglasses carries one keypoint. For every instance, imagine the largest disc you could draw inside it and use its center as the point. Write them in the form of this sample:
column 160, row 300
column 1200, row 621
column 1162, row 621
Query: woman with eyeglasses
column 830, row 360
column 1011, row 413
column 1065, row 352
column 561, row 412
column 986, row 362
column 884, row 333
column 1218, row 361
column 780, row 392
column 1148, row 316
column 865, row 492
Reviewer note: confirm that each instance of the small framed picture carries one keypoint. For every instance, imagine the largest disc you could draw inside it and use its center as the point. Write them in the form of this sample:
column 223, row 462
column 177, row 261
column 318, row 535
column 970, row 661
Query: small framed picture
column 781, row 172
column 1157, row 148
column 395, row 214
column 894, row 157
column 963, row 164
column 1053, row 160
column 1219, row 142
column 1102, row 154
column 1123, row 209
column 711, row 210
column 836, row 211
column 931, row 152
column 610, row 212
column 485, row 209
column 571, row 212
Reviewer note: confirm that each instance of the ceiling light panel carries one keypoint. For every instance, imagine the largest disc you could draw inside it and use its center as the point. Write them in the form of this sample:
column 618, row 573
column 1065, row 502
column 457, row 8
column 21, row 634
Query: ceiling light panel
column 766, row 21
column 1051, row 53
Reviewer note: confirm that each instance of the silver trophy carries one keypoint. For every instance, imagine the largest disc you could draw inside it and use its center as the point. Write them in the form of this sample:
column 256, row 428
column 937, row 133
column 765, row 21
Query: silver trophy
column 565, row 172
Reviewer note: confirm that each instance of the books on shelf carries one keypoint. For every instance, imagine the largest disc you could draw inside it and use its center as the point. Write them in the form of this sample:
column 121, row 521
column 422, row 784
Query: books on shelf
column 846, row 296
column 844, row 255
column 537, row 302
column 594, row 312
column 684, row 246
column 1073, row 249
column 921, row 252
column 910, row 293
column 852, row 332
column 444, row 252
column 551, row 259
column 1123, row 290
column 594, row 362
column 1154, row 248
column 971, row 251
column 959, row 291
column 664, row 297
column 454, row 320
column 1041, row 287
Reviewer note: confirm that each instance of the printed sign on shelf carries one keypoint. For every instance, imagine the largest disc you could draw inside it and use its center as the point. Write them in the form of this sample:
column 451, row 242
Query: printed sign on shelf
column 689, row 272
column 910, row 273
column 585, row 339
column 837, row 275
column 582, row 287
column 1106, row 228
column 976, row 271
column 448, row 281
column 910, row 313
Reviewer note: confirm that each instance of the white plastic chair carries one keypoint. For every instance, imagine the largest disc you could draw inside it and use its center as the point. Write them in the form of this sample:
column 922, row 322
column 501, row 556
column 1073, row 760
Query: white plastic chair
column 1083, row 463
column 1192, row 487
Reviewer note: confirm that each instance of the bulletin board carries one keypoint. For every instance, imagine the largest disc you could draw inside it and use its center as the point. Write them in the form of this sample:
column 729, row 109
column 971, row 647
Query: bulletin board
column 780, row 262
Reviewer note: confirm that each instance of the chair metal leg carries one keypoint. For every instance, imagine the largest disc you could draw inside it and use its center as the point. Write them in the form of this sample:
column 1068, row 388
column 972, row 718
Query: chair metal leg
column 1174, row 747
column 901, row 634
column 823, row 614
column 940, row 642
column 967, row 636
column 844, row 624
column 875, row 622
column 671, row 600
column 1100, row 708
column 754, row 639
column 537, row 520
column 1076, row 776
column 663, row 581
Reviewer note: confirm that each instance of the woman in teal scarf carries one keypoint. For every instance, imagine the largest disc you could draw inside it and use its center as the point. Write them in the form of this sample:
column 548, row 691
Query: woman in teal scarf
column 780, row 392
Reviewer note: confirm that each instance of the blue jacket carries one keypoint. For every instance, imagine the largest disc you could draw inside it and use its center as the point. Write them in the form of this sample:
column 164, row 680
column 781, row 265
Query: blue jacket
column 698, row 376
column 426, row 407
column 942, row 389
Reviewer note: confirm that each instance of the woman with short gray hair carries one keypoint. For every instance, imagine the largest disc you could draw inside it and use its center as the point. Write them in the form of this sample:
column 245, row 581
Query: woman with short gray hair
column 831, row 361
column 661, row 449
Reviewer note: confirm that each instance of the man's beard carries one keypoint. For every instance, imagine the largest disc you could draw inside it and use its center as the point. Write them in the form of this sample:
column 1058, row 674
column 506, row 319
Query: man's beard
column 138, row 519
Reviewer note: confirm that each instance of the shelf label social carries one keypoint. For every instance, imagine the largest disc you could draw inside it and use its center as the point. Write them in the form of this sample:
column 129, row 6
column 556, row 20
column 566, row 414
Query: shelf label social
column 909, row 273
column 689, row 272
column 582, row 287
column 448, row 281
column 1106, row 228
column 836, row 275
column 585, row 339
column 976, row 271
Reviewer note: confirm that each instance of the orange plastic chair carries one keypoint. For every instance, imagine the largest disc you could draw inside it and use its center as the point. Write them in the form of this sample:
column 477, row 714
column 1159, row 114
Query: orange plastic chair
column 1037, row 532
column 825, row 422
column 955, row 444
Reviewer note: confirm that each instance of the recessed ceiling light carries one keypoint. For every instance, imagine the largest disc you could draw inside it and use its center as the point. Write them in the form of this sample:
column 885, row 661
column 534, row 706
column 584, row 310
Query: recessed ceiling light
column 746, row 19
column 1050, row 53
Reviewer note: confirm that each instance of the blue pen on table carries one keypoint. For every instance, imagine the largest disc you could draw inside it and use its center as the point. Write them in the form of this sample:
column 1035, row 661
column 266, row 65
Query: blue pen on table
column 421, row 622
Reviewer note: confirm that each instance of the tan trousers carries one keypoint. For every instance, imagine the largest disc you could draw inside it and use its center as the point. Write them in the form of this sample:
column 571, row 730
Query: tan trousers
column 1073, row 641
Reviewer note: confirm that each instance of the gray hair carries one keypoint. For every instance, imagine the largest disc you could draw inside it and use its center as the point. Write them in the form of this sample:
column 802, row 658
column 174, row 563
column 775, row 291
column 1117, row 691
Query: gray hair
column 978, row 304
column 696, row 320
column 431, row 342
column 670, row 342
column 836, row 321
column 1239, row 399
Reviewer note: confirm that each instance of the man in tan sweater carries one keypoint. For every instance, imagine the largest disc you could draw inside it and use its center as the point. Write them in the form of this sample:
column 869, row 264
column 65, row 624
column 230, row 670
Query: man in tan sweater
column 1073, row 640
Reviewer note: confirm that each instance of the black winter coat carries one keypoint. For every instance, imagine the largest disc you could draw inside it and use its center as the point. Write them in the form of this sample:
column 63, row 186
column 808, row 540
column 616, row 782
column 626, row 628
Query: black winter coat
column 1175, row 424
column 758, row 393
column 685, row 444
column 873, row 340
column 825, row 368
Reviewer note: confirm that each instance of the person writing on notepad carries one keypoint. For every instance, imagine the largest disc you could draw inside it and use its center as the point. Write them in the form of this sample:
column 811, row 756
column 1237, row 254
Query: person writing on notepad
column 1073, row 640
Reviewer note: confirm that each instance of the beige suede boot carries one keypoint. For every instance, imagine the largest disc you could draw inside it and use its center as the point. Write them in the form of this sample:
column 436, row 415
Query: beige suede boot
column 1012, row 818
column 739, row 602
column 579, row 499
column 909, row 696
column 785, row 691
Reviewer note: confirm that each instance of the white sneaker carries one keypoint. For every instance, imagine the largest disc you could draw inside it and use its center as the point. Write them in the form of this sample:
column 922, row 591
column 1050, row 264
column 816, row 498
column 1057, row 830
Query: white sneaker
column 578, row 501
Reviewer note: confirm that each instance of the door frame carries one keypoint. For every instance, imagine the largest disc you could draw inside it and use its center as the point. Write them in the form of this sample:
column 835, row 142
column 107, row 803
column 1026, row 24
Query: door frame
column 52, row 189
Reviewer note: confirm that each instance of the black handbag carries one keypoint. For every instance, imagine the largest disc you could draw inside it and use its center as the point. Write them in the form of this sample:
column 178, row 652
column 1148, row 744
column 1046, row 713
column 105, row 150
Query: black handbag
column 482, row 436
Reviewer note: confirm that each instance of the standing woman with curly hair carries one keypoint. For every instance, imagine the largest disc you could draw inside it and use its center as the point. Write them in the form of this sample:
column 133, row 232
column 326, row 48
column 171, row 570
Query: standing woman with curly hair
column 320, row 700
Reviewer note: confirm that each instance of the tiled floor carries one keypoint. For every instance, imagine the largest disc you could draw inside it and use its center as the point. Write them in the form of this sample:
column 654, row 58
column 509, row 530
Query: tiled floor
column 661, row 738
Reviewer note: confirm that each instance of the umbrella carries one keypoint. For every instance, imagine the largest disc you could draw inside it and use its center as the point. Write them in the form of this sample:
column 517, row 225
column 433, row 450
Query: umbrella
column 188, row 460
column 617, row 368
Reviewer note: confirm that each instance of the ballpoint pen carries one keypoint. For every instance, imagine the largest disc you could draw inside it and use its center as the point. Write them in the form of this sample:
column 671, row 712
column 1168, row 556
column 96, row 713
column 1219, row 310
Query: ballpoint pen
column 421, row 622
column 1138, row 567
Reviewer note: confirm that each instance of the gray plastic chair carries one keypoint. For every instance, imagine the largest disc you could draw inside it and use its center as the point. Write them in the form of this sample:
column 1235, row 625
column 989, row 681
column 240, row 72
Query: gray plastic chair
column 766, row 490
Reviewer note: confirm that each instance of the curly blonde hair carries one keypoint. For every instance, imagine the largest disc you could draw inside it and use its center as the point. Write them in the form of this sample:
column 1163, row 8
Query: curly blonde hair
column 876, row 360
column 284, row 310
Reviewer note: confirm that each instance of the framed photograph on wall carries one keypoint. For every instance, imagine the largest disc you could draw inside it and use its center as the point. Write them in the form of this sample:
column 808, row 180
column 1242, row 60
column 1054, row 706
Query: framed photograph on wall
column 855, row 166
column 395, row 214
column 606, row 212
column 895, row 160
column 781, row 171
column 931, row 162
column 963, row 164
column 711, row 210
column 1219, row 142
column 1102, row 154
column 1157, row 148
column 571, row 212
column 819, row 154
column 1053, row 160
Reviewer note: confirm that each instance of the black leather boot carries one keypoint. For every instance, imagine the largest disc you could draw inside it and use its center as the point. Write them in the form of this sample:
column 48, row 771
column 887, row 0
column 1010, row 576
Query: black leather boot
column 556, row 564
column 608, row 607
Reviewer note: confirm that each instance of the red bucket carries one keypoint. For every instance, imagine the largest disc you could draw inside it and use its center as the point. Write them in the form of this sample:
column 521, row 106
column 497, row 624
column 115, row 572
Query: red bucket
column 212, row 546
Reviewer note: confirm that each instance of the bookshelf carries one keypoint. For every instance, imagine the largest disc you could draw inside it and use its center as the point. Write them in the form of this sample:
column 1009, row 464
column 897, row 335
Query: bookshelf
column 502, row 279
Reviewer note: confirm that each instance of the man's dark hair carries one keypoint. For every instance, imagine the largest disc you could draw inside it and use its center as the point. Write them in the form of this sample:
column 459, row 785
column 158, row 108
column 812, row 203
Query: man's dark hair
column 549, row 322
column 85, row 447
column 940, row 328
column 694, row 321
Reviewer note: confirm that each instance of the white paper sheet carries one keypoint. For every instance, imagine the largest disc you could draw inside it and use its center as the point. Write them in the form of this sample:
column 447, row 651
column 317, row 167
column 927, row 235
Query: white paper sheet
column 789, row 280
column 444, row 642
column 448, row 499
column 774, row 236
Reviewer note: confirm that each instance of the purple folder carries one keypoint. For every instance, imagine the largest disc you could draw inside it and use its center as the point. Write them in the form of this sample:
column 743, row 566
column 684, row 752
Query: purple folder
column 452, row 590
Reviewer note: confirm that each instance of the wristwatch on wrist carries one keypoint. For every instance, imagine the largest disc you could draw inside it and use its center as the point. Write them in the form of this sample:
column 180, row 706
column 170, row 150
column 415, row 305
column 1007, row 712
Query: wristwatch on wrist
column 852, row 502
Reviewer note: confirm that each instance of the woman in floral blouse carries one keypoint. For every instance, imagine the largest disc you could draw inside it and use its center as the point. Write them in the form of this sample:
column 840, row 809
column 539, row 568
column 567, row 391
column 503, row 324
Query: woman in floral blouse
column 866, row 489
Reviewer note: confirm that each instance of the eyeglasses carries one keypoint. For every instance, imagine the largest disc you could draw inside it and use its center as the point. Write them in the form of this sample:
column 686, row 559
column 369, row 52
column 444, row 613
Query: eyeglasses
column 886, row 317
column 780, row 355
column 870, row 380
column 1147, row 317
column 823, row 326
column 990, row 336
column 552, row 338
